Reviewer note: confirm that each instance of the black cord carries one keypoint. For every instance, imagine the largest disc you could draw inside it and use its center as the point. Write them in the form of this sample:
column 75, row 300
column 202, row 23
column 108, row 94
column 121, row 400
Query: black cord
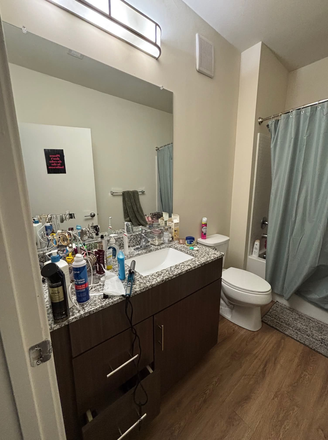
column 136, row 338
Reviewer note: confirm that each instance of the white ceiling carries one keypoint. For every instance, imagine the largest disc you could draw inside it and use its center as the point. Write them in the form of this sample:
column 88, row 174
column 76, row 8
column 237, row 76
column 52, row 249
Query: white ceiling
column 295, row 30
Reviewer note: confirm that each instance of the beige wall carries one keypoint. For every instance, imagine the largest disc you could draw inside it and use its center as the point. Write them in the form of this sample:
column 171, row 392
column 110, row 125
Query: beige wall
column 124, row 134
column 248, row 86
column 307, row 84
column 9, row 423
column 204, row 110
column 263, row 85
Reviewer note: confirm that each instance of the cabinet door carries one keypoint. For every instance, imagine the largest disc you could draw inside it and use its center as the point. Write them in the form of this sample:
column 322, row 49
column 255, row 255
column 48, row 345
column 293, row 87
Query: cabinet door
column 184, row 332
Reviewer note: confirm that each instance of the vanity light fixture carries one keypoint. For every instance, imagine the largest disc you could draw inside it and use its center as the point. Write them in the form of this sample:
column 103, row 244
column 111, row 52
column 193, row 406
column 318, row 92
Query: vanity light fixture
column 119, row 19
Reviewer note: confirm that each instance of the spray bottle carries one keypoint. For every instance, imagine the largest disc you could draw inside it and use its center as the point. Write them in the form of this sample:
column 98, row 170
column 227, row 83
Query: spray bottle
column 63, row 265
column 204, row 228
column 81, row 279
column 57, row 291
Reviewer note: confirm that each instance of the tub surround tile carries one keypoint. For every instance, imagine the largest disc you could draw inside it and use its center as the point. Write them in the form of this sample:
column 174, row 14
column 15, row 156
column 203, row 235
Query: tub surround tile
column 201, row 256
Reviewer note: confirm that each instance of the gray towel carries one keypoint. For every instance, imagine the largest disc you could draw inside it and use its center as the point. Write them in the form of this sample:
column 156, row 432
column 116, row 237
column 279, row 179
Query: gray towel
column 132, row 209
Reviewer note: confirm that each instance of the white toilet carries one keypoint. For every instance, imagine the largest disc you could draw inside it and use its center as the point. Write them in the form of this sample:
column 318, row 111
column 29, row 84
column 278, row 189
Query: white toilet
column 243, row 293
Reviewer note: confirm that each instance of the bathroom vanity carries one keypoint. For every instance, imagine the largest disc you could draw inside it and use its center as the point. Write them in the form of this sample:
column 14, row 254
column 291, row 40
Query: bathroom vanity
column 176, row 314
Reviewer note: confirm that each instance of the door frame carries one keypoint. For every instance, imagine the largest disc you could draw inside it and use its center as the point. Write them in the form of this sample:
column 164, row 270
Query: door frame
column 23, row 318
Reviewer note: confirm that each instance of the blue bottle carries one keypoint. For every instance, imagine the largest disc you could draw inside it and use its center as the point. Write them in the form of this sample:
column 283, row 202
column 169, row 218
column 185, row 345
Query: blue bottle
column 121, row 265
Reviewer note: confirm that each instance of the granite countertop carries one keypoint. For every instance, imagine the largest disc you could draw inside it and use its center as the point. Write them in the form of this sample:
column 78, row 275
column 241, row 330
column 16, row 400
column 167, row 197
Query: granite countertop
column 201, row 256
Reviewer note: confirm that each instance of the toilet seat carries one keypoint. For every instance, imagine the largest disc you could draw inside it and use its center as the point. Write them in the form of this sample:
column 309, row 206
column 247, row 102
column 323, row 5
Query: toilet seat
column 245, row 282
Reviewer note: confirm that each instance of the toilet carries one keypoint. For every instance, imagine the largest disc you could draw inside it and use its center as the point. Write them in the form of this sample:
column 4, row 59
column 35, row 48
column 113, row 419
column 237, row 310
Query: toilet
column 242, row 293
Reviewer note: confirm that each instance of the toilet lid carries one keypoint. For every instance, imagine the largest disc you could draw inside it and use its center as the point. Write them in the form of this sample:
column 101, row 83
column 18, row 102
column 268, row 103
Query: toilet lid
column 246, row 281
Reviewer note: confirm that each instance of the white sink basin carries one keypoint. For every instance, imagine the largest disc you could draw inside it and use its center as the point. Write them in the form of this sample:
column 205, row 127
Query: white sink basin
column 158, row 260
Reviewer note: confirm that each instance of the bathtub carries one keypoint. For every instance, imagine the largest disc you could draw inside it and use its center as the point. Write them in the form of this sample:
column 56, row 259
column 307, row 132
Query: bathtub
column 257, row 265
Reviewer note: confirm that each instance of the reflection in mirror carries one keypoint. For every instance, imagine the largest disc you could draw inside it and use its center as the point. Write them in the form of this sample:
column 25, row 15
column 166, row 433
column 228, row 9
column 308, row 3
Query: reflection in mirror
column 89, row 132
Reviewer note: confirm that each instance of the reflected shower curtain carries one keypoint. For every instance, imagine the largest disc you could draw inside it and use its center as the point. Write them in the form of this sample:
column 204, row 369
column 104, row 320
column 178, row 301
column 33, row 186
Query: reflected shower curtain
column 297, row 248
column 165, row 178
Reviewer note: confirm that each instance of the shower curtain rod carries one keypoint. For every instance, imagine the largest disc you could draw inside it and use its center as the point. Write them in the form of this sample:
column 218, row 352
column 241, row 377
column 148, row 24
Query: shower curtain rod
column 278, row 115
column 159, row 148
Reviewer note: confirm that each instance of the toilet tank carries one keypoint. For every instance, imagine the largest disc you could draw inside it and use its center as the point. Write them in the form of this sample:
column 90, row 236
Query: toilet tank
column 217, row 241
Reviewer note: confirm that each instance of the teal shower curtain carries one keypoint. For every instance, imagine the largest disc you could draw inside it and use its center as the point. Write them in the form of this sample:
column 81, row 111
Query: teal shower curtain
column 165, row 178
column 297, row 247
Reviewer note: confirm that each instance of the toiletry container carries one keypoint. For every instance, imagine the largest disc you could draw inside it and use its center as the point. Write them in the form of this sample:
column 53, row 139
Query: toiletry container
column 81, row 279
column 113, row 246
column 57, row 291
column 36, row 227
column 100, row 263
column 256, row 248
column 167, row 235
column 176, row 226
column 121, row 265
column 48, row 228
column 126, row 244
column 112, row 252
column 204, row 228
column 63, row 265
column 109, row 259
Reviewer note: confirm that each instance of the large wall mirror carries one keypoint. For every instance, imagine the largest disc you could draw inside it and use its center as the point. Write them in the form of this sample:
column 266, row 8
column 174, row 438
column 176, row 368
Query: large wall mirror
column 88, row 133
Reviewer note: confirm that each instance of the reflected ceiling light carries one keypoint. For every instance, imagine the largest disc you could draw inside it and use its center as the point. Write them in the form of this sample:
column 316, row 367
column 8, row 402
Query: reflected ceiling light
column 119, row 19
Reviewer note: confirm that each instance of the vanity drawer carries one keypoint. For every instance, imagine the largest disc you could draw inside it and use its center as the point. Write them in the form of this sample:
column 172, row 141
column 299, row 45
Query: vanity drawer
column 122, row 416
column 102, row 370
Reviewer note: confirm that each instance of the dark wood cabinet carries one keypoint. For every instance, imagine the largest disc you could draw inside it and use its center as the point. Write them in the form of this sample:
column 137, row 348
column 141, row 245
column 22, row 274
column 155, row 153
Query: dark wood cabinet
column 184, row 332
column 177, row 322
column 100, row 371
column 123, row 416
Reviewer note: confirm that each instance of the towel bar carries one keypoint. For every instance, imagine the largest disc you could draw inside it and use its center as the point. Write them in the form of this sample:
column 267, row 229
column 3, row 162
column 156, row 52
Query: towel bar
column 119, row 193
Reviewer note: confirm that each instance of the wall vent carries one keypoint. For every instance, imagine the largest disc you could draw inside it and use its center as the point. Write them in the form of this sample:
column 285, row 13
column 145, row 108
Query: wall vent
column 204, row 56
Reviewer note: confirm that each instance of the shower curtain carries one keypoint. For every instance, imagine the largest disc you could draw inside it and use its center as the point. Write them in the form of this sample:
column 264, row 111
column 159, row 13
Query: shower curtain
column 297, row 247
column 165, row 178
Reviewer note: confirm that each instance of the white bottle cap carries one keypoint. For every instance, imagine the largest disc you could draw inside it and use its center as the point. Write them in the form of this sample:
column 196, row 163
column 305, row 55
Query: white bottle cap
column 79, row 260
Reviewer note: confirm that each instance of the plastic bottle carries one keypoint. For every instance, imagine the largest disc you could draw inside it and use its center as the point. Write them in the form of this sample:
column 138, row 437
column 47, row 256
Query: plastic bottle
column 104, row 242
column 121, row 265
column 78, row 230
column 167, row 235
column 57, row 291
column 109, row 259
column 62, row 264
column 81, row 279
column 126, row 244
column 113, row 246
column 204, row 228
column 256, row 248
column 36, row 227
column 48, row 228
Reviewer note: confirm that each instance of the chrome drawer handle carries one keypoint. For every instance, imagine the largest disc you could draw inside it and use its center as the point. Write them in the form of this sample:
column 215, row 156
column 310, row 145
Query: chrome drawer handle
column 132, row 427
column 122, row 366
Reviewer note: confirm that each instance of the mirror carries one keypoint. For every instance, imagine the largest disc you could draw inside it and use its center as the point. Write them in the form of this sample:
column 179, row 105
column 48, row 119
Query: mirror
column 88, row 132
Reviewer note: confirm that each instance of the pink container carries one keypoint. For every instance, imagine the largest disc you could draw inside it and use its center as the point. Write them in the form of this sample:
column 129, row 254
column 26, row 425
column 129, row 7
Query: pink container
column 204, row 228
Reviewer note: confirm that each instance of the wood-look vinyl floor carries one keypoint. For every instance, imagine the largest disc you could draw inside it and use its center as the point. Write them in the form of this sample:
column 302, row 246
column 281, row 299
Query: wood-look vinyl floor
column 251, row 386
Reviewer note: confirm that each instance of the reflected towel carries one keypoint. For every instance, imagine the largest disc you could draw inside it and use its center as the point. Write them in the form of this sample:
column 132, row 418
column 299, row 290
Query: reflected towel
column 132, row 209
